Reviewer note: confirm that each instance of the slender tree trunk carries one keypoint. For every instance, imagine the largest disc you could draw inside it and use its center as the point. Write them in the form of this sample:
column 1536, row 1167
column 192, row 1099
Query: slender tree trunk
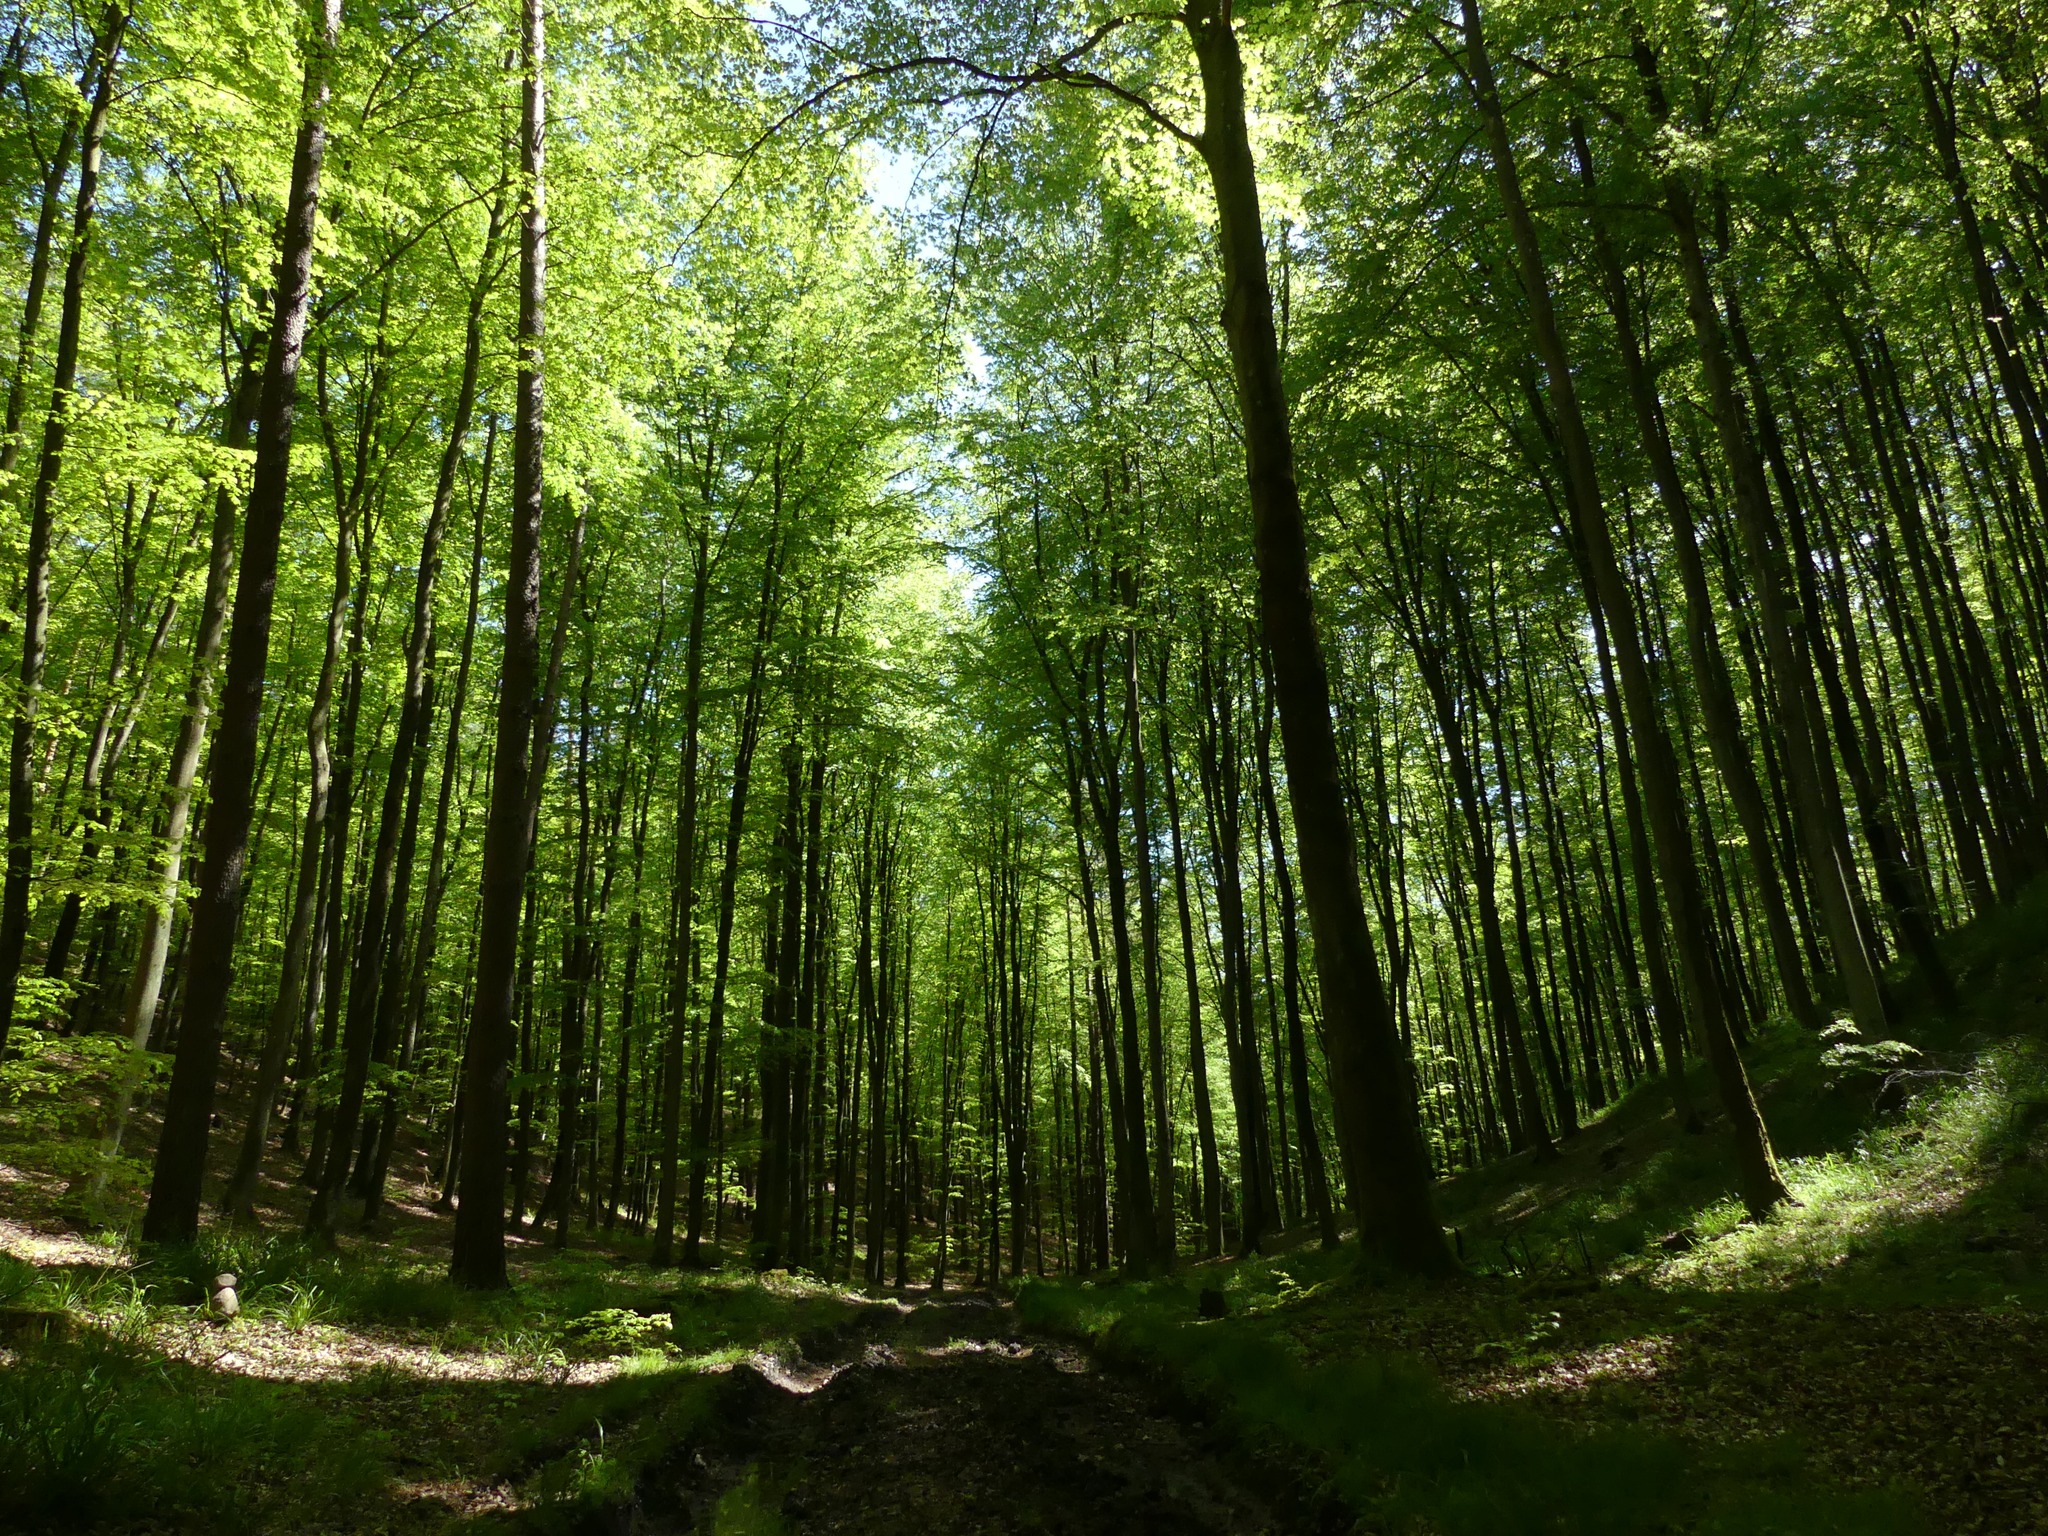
column 1710, row 674
column 289, row 1007
column 1762, row 1186
column 1801, row 732
column 40, row 251
column 173, row 1213
column 1379, row 1132
column 706, row 1114
column 437, row 866
column 1105, row 794
column 685, row 909
column 181, row 773
column 381, row 931
column 35, row 608
column 1217, row 760
column 1148, row 933
column 1315, row 1176
column 477, row 1258
column 1198, row 1051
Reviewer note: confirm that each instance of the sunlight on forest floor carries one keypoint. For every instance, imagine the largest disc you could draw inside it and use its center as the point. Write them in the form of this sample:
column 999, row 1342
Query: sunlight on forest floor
column 1624, row 1339
column 1880, row 1195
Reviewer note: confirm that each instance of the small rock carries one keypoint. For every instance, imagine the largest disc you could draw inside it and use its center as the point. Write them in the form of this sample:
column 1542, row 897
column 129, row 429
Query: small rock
column 1212, row 1303
column 223, row 1306
column 1681, row 1241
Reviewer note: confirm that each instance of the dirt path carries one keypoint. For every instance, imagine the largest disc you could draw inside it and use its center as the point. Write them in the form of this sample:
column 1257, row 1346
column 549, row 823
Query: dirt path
column 947, row 1420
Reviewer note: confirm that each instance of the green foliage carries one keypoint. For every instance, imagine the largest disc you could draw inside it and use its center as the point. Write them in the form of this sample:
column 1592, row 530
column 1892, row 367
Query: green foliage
column 1962, row 1160
column 53, row 1090
column 96, row 1431
column 615, row 1331
column 750, row 1509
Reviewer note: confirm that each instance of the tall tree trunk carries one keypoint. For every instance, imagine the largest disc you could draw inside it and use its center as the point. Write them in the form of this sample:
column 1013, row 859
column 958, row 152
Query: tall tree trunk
column 1315, row 1176
column 1379, row 1132
column 684, row 905
column 1709, row 666
column 1104, row 784
column 55, row 174
column 115, row 726
column 1801, row 732
column 173, row 1213
column 451, row 758
column 578, row 973
column 1198, row 1050
column 1148, row 934
column 477, row 1258
column 289, row 1006
column 706, row 1114
column 1119, row 1150
column 181, row 773
column 2022, row 398
column 35, row 606
column 1762, row 1186
column 1217, row 761
column 381, row 931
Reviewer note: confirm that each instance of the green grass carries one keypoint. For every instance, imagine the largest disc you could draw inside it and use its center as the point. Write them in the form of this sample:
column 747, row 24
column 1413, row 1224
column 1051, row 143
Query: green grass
column 100, row 1427
column 1919, row 1167
column 1389, row 1443
column 1914, row 1184
column 1888, row 1215
column 96, row 1431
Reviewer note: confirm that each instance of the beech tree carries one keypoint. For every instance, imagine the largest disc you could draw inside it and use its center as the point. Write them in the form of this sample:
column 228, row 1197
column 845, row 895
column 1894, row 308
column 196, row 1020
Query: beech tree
column 952, row 645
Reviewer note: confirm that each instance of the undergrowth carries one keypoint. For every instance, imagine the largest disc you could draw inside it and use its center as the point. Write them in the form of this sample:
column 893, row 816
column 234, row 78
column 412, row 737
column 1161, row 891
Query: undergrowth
column 101, row 1427
column 1918, row 1167
column 95, row 1430
column 1393, row 1446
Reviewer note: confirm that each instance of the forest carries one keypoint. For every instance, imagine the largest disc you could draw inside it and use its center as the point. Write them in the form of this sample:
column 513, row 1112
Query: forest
column 850, row 766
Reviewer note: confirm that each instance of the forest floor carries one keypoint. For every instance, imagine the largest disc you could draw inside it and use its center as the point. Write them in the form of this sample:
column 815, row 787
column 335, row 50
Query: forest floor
column 1626, row 1353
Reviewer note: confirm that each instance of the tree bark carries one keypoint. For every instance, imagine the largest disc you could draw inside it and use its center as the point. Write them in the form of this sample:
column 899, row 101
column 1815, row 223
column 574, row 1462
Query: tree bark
column 1710, row 672
column 173, row 1213
column 1762, row 1186
column 1801, row 731
column 1198, row 1051
column 477, row 1257
column 685, row 910
column 1379, row 1133
column 35, row 607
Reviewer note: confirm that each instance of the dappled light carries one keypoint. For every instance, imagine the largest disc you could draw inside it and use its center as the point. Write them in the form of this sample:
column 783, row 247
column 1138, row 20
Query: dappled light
column 844, row 768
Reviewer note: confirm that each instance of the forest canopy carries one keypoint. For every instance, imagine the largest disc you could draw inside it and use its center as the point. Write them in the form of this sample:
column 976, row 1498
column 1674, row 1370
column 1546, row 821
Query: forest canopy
column 934, row 643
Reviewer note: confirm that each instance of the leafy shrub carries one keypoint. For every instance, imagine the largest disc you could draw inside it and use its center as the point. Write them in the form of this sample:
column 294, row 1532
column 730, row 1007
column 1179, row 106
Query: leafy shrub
column 615, row 1331
column 55, row 1089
